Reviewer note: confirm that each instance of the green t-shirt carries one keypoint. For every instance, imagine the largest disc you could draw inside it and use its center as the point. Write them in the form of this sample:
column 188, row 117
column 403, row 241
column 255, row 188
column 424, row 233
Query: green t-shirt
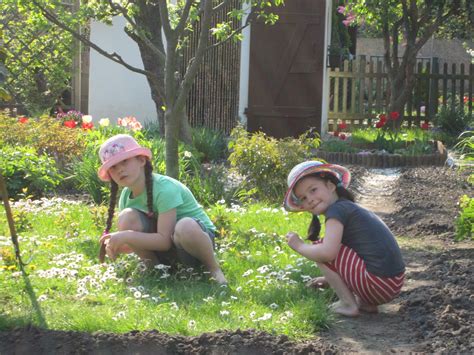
column 168, row 193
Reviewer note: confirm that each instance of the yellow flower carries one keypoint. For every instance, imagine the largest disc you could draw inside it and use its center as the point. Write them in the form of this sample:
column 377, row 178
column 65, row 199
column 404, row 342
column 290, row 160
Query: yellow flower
column 104, row 122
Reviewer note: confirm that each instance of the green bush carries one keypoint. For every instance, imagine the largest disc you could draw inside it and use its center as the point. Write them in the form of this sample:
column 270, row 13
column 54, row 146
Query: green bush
column 266, row 161
column 453, row 121
column 45, row 134
column 26, row 172
column 211, row 143
column 465, row 221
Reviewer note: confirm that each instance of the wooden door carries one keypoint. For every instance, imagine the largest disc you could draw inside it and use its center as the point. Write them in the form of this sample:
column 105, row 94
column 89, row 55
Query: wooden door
column 286, row 70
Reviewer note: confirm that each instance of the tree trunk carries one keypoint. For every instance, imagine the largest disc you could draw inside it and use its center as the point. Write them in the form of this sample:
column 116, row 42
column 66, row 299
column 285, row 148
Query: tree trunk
column 172, row 124
column 185, row 133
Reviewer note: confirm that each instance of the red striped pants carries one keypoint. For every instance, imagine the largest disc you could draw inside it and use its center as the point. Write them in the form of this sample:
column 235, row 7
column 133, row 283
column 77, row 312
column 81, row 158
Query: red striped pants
column 373, row 290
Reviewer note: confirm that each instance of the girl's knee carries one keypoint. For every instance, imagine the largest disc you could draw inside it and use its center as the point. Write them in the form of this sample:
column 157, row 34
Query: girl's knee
column 129, row 219
column 185, row 227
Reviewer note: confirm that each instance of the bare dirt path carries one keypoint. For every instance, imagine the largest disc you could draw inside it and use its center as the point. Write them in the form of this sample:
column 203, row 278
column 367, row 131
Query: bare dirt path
column 434, row 313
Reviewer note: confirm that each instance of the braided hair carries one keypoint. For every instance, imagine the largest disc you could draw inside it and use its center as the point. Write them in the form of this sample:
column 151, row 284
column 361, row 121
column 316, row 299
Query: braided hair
column 315, row 226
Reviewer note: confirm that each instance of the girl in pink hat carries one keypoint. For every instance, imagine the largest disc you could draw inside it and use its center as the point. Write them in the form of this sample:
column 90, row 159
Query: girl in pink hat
column 159, row 220
column 358, row 254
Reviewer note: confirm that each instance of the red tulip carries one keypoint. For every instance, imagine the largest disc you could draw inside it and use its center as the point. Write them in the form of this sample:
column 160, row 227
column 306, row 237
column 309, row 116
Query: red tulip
column 425, row 125
column 380, row 124
column 342, row 126
column 70, row 124
column 336, row 133
column 23, row 119
column 342, row 136
column 394, row 115
column 87, row 125
column 383, row 118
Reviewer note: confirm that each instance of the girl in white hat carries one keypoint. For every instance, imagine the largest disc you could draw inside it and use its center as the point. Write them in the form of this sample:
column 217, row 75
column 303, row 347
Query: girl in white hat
column 358, row 254
column 159, row 220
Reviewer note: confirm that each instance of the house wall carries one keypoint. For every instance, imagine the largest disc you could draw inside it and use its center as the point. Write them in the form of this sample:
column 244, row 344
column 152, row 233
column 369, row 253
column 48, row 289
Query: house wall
column 448, row 51
column 115, row 91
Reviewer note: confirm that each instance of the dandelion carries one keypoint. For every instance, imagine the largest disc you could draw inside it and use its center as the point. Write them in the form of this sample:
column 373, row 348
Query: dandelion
column 239, row 289
column 137, row 294
column 174, row 305
column 252, row 314
column 192, row 323
column 187, row 154
column 273, row 306
column 224, row 312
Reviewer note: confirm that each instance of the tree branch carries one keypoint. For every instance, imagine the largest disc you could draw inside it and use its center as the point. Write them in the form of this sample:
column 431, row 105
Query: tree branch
column 184, row 17
column 160, row 55
column 165, row 20
column 112, row 56
column 250, row 18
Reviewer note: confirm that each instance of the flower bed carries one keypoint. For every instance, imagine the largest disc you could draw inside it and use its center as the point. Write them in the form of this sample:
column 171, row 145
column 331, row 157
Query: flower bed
column 377, row 159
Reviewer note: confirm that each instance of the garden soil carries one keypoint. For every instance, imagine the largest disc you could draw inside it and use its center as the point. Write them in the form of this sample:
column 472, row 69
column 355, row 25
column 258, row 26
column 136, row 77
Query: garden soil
column 434, row 312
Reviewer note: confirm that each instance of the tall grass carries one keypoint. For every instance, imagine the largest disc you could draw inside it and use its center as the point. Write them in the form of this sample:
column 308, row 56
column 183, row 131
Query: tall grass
column 265, row 291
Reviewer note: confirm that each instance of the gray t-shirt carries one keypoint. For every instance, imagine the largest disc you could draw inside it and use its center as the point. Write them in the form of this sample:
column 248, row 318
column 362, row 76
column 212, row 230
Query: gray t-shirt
column 369, row 237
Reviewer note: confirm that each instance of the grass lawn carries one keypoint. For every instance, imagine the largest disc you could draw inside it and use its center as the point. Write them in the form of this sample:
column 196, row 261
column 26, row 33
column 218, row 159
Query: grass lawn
column 71, row 291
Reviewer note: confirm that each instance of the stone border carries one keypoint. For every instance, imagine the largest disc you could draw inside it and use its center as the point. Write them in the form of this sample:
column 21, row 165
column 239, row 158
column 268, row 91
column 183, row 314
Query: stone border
column 380, row 160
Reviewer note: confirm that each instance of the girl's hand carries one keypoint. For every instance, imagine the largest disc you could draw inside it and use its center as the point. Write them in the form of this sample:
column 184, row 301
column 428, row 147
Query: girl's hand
column 113, row 243
column 294, row 241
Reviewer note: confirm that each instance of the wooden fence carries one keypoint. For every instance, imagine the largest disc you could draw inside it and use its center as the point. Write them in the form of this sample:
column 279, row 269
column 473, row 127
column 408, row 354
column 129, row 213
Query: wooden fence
column 358, row 92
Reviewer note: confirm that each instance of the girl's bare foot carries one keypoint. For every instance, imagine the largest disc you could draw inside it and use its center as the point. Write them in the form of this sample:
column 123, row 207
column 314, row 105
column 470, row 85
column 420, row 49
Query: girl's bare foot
column 365, row 307
column 318, row 282
column 344, row 309
column 369, row 308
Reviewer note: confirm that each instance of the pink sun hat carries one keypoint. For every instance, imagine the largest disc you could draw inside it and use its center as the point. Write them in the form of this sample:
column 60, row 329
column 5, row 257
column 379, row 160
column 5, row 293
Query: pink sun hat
column 116, row 149
column 290, row 202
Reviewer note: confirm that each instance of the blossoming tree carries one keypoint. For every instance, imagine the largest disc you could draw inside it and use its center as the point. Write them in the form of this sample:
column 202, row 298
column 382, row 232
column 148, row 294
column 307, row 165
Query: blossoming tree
column 161, row 30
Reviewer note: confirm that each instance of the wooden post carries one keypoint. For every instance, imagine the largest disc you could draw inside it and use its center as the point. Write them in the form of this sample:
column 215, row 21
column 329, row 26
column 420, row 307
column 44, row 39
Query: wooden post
column 76, row 64
column 11, row 222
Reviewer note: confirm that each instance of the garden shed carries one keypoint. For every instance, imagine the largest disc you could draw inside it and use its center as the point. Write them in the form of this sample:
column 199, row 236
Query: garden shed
column 274, row 80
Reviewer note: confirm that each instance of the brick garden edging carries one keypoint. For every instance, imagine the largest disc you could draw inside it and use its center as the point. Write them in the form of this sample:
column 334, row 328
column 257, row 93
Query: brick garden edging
column 381, row 160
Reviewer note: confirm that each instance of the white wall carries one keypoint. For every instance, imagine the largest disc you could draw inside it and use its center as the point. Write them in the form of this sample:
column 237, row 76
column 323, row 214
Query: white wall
column 115, row 91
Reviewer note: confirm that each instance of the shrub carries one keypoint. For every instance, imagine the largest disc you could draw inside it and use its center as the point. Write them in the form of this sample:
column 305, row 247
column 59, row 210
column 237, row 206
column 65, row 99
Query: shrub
column 27, row 172
column 211, row 143
column 266, row 161
column 465, row 221
column 45, row 134
column 453, row 120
